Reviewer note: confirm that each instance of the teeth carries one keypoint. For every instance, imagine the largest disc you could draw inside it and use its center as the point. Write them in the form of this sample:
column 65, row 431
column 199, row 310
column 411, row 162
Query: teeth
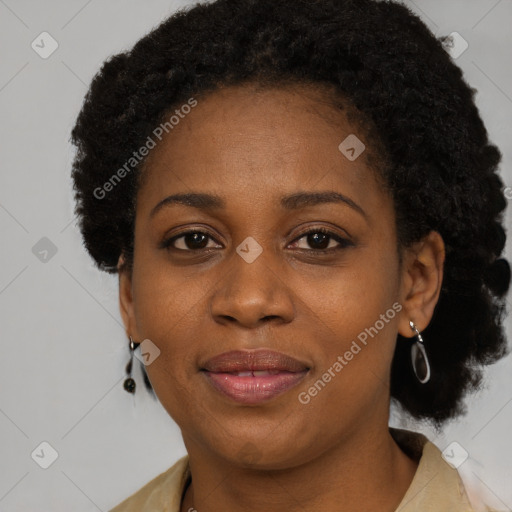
column 256, row 373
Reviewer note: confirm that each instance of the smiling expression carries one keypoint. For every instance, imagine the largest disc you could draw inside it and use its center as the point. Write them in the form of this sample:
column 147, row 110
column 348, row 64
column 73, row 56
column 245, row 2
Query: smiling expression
column 261, row 170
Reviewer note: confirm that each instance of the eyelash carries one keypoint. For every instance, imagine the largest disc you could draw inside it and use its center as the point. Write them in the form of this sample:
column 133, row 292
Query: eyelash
column 344, row 242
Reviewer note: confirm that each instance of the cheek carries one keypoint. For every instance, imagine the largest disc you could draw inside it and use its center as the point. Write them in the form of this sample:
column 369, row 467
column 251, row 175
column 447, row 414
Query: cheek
column 166, row 298
column 165, row 301
column 169, row 310
column 351, row 298
column 355, row 316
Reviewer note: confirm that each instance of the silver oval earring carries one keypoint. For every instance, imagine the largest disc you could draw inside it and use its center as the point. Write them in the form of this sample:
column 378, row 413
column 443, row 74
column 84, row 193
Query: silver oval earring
column 419, row 358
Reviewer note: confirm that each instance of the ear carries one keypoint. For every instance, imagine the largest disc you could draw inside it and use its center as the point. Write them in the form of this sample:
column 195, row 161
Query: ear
column 126, row 305
column 422, row 278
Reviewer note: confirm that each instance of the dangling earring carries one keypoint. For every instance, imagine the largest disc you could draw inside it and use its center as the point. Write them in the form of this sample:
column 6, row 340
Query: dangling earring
column 419, row 357
column 129, row 383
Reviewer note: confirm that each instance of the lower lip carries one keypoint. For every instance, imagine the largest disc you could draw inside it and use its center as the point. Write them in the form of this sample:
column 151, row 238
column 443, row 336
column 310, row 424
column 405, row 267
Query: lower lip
column 254, row 390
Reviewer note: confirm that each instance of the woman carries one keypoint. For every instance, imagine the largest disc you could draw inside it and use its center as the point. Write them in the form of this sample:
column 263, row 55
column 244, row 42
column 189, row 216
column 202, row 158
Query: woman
column 304, row 210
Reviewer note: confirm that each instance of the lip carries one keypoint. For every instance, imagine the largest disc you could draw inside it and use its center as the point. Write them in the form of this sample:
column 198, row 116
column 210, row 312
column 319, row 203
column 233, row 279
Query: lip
column 253, row 360
column 265, row 374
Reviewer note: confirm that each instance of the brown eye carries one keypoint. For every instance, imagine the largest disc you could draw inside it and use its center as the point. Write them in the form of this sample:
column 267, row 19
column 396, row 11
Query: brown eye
column 322, row 240
column 319, row 240
column 188, row 241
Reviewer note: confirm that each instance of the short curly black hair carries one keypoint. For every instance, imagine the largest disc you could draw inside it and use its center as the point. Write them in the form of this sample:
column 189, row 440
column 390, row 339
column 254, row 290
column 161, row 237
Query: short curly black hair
column 442, row 170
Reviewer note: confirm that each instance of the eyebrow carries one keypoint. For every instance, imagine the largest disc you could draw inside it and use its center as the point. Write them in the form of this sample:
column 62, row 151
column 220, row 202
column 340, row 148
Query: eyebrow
column 295, row 201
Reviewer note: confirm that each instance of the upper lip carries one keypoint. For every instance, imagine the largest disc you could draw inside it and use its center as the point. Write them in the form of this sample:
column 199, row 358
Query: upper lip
column 253, row 360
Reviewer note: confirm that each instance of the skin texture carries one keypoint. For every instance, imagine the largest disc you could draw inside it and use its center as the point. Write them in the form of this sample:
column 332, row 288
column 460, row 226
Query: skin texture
column 251, row 147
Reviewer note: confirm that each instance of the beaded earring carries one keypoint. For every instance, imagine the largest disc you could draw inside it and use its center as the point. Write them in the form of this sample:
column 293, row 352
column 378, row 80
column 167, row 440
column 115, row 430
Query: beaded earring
column 129, row 383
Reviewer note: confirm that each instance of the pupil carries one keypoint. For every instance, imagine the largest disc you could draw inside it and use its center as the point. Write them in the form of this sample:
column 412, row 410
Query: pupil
column 313, row 240
column 196, row 239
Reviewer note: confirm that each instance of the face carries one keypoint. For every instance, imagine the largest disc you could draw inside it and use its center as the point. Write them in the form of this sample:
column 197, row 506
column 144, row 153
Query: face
column 265, row 267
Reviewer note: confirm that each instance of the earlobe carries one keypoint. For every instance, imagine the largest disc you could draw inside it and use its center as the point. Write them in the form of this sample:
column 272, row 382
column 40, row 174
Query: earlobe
column 422, row 278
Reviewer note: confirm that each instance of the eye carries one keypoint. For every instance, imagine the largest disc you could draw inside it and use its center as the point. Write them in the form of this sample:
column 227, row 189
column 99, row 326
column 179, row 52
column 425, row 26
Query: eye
column 320, row 240
column 323, row 241
column 192, row 240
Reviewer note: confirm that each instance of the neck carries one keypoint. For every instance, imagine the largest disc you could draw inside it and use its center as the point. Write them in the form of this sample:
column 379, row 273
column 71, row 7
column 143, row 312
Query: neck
column 365, row 472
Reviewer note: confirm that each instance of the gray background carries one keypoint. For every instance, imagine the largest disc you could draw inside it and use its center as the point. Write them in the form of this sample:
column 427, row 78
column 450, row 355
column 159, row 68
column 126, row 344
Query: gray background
column 63, row 343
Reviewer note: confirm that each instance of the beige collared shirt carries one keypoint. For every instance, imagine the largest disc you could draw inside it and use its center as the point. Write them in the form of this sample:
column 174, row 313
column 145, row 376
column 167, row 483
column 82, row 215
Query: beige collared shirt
column 436, row 486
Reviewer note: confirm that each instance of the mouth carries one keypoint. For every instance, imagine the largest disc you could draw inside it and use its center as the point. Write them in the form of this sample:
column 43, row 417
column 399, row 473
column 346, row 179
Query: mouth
column 253, row 376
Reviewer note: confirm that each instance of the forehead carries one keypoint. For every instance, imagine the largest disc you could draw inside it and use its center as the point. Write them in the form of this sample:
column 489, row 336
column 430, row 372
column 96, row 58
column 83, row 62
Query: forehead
column 237, row 137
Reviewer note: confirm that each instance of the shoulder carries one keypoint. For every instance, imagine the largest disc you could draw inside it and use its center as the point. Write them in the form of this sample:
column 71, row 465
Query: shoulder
column 436, row 486
column 163, row 493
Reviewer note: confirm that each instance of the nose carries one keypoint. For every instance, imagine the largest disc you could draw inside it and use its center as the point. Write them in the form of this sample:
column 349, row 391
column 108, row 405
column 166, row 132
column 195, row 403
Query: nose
column 252, row 294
